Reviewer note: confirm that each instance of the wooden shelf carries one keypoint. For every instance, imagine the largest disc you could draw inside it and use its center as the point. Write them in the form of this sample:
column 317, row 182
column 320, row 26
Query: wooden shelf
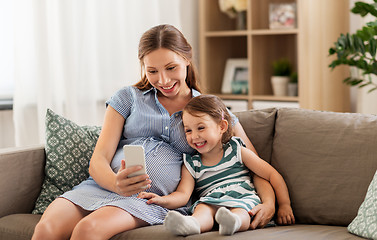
column 274, row 31
column 227, row 33
column 319, row 23
column 275, row 98
column 234, row 96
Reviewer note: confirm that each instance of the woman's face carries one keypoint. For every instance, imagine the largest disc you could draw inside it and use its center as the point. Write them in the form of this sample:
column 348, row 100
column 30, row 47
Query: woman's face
column 166, row 71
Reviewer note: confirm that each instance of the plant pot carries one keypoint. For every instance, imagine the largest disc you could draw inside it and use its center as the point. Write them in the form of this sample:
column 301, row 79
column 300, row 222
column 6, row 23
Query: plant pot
column 280, row 85
column 241, row 20
column 292, row 89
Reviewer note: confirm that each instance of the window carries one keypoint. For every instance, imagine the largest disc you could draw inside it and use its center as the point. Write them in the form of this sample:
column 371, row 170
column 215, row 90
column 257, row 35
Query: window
column 7, row 55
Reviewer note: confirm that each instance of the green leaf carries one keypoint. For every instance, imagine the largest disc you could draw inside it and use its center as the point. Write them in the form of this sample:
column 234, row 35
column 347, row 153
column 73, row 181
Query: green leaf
column 371, row 90
column 332, row 50
column 347, row 80
column 355, row 82
column 364, row 8
column 363, row 85
column 372, row 47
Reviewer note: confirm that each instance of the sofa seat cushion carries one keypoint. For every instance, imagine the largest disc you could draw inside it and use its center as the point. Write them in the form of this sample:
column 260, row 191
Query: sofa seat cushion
column 327, row 160
column 21, row 227
column 18, row 226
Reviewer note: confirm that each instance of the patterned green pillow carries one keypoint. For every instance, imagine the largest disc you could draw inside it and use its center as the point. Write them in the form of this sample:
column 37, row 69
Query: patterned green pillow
column 69, row 148
column 365, row 223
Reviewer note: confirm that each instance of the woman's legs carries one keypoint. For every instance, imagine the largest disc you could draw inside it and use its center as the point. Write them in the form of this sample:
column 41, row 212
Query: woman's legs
column 59, row 220
column 105, row 223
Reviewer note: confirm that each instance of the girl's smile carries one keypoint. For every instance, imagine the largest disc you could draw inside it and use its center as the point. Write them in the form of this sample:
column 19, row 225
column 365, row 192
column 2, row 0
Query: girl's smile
column 203, row 133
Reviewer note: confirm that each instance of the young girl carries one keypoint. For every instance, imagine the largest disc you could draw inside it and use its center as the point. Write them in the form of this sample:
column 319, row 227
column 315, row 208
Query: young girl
column 220, row 174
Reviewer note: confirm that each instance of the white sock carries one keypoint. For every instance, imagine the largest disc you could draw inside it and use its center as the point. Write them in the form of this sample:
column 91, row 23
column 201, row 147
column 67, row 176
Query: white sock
column 229, row 223
column 178, row 224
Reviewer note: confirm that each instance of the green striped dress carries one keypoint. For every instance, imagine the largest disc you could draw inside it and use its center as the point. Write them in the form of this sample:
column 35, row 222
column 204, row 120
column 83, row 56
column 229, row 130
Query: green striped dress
column 226, row 184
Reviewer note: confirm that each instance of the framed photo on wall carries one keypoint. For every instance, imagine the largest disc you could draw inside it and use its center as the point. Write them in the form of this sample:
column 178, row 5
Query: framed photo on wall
column 282, row 15
column 236, row 76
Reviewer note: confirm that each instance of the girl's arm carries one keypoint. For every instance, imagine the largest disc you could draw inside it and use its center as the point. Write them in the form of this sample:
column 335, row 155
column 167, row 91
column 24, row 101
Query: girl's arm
column 264, row 212
column 104, row 151
column 176, row 199
column 266, row 171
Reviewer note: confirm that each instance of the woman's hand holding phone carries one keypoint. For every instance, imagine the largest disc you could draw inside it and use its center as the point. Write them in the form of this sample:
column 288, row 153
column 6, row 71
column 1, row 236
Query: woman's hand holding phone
column 127, row 186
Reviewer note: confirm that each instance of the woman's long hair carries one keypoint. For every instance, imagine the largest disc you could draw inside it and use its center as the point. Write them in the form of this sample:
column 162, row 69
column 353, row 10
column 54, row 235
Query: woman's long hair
column 168, row 37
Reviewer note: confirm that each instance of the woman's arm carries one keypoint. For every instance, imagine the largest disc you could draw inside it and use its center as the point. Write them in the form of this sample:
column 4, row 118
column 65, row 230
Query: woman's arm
column 266, row 171
column 176, row 199
column 264, row 212
column 104, row 151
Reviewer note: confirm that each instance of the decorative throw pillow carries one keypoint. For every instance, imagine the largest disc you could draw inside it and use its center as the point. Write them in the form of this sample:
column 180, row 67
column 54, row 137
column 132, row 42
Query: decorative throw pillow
column 365, row 223
column 69, row 148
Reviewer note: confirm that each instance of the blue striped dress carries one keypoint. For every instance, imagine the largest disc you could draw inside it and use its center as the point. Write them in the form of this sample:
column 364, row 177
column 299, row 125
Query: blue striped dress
column 227, row 183
column 148, row 124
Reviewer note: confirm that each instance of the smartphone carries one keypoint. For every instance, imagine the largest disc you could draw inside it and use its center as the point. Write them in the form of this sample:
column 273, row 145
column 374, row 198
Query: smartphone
column 134, row 155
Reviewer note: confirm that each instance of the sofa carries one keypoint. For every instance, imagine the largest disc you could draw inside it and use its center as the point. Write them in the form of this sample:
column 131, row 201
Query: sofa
column 327, row 159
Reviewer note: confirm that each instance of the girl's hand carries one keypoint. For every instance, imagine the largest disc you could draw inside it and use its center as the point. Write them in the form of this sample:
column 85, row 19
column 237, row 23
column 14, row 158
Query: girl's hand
column 153, row 198
column 127, row 186
column 285, row 215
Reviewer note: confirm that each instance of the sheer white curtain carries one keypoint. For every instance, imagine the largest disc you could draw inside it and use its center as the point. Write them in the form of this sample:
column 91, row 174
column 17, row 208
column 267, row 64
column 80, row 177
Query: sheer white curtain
column 72, row 55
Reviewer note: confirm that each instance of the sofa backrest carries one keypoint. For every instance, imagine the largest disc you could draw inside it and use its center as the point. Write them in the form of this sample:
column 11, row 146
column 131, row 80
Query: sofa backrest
column 22, row 173
column 259, row 127
column 327, row 160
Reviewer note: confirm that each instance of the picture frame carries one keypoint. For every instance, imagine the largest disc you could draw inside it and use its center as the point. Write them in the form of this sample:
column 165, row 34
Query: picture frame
column 235, row 79
column 282, row 15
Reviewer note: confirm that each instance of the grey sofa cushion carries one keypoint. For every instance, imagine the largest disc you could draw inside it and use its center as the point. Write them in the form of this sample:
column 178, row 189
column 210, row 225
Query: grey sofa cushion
column 21, row 227
column 259, row 127
column 18, row 226
column 22, row 175
column 327, row 160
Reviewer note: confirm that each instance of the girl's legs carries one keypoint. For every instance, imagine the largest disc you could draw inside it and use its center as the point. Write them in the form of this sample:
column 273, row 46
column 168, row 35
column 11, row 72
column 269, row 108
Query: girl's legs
column 200, row 221
column 105, row 223
column 205, row 214
column 233, row 220
column 59, row 220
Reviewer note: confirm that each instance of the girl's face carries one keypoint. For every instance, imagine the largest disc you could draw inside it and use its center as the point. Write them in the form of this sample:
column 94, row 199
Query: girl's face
column 166, row 71
column 203, row 133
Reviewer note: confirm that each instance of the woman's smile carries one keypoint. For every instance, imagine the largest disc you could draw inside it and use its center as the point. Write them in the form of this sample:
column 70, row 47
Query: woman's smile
column 168, row 89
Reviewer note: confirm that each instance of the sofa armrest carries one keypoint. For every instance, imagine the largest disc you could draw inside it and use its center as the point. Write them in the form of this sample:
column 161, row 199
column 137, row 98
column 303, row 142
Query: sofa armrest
column 21, row 177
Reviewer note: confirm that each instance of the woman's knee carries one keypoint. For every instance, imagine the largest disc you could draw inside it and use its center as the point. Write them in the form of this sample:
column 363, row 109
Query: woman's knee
column 48, row 230
column 87, row 228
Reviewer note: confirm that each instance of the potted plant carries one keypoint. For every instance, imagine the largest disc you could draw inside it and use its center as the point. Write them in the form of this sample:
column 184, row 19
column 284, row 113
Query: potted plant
column 359, row 50
column 293, row 85
column 280, row 76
